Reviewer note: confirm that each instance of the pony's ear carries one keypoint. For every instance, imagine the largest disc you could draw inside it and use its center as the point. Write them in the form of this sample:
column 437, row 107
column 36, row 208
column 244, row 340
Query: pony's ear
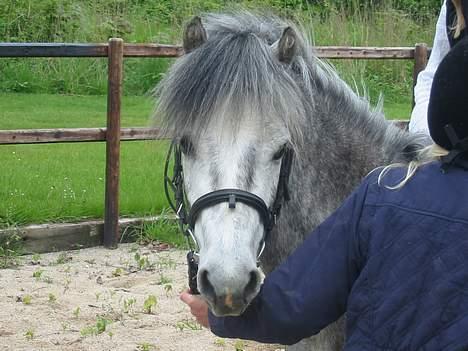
column 194, row 35
column 287, row 45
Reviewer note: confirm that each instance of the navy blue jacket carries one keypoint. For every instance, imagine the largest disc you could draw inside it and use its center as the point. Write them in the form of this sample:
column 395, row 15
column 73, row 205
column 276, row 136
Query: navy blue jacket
column 396, row 261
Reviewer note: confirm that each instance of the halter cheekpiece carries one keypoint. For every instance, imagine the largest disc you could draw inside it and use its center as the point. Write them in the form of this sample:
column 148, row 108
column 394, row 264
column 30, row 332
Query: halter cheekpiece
column 187, row 216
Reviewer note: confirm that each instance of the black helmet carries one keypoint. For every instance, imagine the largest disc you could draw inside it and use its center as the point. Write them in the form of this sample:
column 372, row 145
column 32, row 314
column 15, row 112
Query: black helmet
column 448, row 103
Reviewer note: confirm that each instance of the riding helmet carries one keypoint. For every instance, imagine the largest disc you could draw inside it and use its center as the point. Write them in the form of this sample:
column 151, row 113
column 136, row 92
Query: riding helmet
column 448, row 104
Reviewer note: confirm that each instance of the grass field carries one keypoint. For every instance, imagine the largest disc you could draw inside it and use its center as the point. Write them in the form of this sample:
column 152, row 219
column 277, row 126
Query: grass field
column 64, row 182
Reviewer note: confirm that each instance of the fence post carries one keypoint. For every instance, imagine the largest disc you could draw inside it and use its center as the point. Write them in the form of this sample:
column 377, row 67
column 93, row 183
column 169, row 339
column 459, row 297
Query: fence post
column 420, row 62
column 114, row 94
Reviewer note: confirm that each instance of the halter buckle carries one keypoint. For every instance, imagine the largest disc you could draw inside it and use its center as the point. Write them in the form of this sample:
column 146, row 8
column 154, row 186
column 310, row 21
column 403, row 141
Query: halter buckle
column 232, row 201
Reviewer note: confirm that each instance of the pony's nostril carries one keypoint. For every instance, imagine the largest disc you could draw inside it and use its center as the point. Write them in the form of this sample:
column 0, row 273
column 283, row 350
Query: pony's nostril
column 205, row 284
column 252, row 285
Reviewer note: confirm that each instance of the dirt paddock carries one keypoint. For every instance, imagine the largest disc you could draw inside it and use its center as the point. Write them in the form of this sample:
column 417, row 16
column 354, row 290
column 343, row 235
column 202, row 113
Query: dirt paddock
column 99, row 299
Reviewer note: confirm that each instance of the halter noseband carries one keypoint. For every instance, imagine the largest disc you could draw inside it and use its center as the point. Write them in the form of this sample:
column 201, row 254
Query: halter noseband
column 187, row 221
column 231, row 196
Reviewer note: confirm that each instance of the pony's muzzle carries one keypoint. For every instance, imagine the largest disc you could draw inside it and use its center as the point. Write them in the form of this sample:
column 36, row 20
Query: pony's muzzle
column 229, row 298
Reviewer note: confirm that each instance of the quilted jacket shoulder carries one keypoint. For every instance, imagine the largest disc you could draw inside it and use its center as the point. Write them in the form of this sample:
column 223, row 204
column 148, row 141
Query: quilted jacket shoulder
column 412, row 292
column 396, row 261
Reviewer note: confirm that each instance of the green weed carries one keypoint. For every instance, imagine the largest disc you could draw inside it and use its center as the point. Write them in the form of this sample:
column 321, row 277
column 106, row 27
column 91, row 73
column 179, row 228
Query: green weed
column 165, row 229
column 63, row 258
column 26, row 299
column 76, row 312
column 98, row 328
column 36, row 259
column 29, row 334
column 117, row 272
column 37, row 274
column 10, row 249
column 143, row 262
column 220, row 342
column 52, row 298
column 149, row 304
column 239, row 345
column 188, row 324
column 166, row 262
column 163, row 280
column 128, row 304
column 146, row 347
column 168, row 288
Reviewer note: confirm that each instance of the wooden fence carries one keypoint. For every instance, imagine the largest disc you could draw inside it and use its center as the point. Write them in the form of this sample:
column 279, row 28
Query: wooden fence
column 115, row 51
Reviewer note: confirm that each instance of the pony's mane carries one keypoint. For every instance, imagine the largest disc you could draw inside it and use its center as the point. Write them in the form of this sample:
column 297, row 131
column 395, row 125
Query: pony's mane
column 237, row 71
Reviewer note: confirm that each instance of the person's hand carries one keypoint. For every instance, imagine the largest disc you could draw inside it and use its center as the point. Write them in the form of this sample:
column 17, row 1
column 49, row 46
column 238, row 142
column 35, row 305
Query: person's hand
column 198, row 307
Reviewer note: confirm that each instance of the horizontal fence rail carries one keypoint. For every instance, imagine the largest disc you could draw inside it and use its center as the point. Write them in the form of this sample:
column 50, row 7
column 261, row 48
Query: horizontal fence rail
column 85, row 50
column 68, row 135
column 115, row 51
column 159, row 50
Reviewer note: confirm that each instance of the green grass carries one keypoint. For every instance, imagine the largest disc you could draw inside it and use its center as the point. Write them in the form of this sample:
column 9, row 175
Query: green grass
column 395, row 110
column 25, row 111
column 164, row 230
column 64, row 182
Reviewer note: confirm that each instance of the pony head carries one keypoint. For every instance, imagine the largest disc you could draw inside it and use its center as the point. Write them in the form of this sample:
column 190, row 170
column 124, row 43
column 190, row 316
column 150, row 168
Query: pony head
column 233, row 106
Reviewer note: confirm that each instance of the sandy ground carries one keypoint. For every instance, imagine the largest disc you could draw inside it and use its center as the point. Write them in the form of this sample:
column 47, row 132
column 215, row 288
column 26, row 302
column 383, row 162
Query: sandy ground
column 94, row 299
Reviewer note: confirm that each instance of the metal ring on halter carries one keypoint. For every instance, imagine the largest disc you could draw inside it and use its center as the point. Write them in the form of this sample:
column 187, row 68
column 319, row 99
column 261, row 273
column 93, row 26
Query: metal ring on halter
column 178, row 211
column 197, row 251
column 261, row 250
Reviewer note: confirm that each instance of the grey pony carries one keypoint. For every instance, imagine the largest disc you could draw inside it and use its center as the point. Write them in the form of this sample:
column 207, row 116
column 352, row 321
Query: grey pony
column 242, row 59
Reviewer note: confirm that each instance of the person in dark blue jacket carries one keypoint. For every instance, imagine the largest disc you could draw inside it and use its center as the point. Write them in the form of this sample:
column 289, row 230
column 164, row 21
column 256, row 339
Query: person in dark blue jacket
column 393, row 257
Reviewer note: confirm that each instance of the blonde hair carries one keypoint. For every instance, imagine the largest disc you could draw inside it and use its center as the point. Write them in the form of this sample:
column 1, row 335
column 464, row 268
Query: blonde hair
column 459, row 23
column 426, row 155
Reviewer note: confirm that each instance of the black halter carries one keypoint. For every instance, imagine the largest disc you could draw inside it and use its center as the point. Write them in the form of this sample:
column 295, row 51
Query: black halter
column 179, row 203
column 231, row 196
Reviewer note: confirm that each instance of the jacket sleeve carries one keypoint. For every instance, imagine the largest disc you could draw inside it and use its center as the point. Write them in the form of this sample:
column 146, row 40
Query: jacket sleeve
column 310, row 289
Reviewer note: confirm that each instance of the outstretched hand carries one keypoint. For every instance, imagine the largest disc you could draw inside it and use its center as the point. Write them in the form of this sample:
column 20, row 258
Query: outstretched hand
column 198, row 307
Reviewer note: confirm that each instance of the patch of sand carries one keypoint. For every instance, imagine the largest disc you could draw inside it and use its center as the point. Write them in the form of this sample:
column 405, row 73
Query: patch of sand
column 64, row 301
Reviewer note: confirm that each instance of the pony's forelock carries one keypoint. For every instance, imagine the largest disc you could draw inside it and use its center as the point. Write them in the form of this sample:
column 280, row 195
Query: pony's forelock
column 235, row 69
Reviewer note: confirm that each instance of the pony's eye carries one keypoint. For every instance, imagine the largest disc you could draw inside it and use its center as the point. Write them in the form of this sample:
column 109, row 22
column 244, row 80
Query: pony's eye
column 186, row 146
column 278, row 154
